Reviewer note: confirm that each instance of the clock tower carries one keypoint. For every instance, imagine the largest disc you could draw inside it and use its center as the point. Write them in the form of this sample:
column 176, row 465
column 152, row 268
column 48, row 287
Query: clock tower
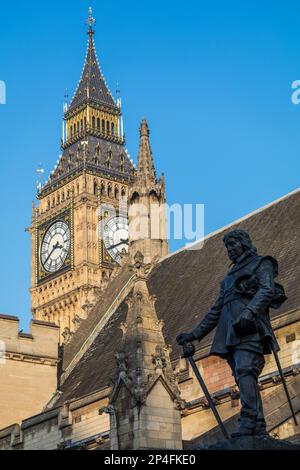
column 69, row 258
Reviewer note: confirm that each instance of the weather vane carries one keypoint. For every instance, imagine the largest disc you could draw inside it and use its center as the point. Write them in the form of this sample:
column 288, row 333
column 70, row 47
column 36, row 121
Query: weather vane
column 91, row 21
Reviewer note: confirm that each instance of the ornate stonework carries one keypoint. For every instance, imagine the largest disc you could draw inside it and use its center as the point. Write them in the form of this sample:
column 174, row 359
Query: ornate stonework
column 92, row 174
column 147, row 205
column 144, row 374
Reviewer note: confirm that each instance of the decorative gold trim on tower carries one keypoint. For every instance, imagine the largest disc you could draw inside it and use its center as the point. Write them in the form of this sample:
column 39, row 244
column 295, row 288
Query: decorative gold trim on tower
column 36, row 261
column 99, row 226
column 72, row 230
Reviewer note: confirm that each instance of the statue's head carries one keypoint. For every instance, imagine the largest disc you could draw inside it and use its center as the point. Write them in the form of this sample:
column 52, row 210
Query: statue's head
column 237, row 242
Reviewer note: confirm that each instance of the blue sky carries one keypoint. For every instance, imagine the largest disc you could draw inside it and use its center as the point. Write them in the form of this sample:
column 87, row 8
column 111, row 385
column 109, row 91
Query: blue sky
column 213, row 79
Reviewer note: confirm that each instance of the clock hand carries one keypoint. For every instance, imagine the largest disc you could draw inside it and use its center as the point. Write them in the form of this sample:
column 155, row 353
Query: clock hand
column 122, row 242
column 55, row 247
column 115, row 245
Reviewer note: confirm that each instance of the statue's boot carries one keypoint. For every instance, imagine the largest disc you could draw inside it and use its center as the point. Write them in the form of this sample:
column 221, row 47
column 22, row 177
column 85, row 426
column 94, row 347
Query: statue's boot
column 261, row 427
column 246, row 367
column 261, row 431
column 247, row 381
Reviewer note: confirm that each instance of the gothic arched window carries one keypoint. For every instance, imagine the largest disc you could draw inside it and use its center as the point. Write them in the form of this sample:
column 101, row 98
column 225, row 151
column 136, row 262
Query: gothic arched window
column 93, row 122
column 102, row 190
column 107, row 127
column 112, row 128
column 95, row 187
column 103, row 125
column 135, row 198
column 98, row 124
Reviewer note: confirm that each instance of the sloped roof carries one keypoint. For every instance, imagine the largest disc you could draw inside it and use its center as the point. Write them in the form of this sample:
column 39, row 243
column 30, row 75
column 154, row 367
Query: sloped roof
column 96, row 368
column 102, row 157
column 187, row 283
column 92, row 86
column 107, row 298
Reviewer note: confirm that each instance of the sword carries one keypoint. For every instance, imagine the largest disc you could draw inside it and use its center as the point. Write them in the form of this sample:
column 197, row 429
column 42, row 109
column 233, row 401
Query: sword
column 188, row 352
column 283, row 381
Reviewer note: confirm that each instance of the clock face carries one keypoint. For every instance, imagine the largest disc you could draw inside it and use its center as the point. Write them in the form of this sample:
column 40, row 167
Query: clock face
column 55, row 246
column 115, row 237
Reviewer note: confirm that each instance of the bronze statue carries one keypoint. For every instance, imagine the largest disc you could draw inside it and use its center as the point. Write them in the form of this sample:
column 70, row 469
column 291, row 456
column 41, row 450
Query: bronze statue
column 243, row 329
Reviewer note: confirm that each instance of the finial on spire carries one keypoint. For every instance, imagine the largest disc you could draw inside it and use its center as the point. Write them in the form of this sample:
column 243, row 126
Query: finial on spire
column 90, row 22
column 144, row 129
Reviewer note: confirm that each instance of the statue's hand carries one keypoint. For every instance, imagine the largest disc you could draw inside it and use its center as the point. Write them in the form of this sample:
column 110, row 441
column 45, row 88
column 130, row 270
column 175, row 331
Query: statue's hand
column 188, row 349
column 185, row 338
column 245, row 325
column 247, row 314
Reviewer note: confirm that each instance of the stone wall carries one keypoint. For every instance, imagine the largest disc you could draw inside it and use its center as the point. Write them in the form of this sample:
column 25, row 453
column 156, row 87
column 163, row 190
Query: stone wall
column 80, row 420
column 28, row 368
column 61, row 428
column 162, row 421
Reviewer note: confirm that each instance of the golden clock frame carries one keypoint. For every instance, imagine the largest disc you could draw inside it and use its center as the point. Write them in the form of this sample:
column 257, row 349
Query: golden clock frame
column 106, row 259
column 66, row 216
column 104, row 213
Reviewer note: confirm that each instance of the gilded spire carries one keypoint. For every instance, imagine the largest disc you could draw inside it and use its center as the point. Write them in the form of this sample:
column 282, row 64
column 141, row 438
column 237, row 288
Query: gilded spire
column 92, row 137
column 92, row 88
